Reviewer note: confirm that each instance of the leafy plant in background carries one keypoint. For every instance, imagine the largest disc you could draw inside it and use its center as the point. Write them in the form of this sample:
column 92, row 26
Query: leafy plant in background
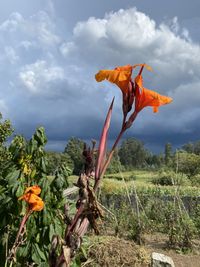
column 135, row 98
column 5, row 132
column 26, row 167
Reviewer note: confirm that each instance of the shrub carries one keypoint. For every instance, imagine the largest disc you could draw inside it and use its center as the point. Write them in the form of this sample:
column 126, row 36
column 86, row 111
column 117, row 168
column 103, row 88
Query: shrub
column 171, row 178
column 195, row 180
column 180, row 227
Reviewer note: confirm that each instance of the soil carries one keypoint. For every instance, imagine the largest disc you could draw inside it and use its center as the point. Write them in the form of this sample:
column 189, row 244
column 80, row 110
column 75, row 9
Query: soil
column 111, row 251
column 157, row 243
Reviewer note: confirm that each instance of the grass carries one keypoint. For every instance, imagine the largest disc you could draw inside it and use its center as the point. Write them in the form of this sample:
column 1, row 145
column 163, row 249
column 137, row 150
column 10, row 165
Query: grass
column 119, row 183
column 142, row 180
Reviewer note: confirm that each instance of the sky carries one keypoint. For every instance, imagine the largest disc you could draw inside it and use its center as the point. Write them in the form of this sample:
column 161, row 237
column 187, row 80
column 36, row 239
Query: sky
column 50, row 51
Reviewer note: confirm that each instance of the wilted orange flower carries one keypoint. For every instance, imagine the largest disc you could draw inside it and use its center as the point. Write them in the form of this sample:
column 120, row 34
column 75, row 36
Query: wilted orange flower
column 35, row 203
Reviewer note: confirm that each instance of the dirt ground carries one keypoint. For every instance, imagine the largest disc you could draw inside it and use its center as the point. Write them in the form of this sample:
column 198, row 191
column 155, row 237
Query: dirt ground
column 157, row 243
column 107, row 251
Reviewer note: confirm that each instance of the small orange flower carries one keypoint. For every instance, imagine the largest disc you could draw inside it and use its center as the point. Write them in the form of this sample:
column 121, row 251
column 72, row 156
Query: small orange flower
column 31, row 197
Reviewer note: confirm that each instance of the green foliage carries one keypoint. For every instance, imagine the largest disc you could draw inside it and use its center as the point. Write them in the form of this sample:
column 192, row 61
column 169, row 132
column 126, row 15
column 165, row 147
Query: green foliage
column 115, row 164
column 168, row 154
column 132, row 153
column 195, row 180
column 192, row 147
column 180, row 227
column 5, row 131
column 171, row 178
column 155, row 161
column 28, row 166
column 74, row 149
column 187, row 163
column 55, row 160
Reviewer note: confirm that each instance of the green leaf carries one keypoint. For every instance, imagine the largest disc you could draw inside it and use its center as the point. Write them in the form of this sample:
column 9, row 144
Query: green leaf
column 84, row 252
column 20, row 191
column 23, row 251
column 12, row 176
column 40, row 252
column 51, row 231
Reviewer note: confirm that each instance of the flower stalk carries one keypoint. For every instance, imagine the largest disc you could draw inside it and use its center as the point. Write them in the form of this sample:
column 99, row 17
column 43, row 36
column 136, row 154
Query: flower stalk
column 134, row 98
column 35, row 203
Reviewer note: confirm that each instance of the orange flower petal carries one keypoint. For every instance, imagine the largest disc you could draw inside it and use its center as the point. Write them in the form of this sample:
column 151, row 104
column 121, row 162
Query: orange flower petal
column 119, row 76
column 139, row 81
column 25, row 197
column 35, row 189
column 147, row 97
column 37, row 206
column 144, row 65
column 31, row 197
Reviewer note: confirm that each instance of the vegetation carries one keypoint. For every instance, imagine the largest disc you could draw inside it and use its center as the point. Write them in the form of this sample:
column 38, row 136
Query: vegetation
column 25, row 166
column 143, row 192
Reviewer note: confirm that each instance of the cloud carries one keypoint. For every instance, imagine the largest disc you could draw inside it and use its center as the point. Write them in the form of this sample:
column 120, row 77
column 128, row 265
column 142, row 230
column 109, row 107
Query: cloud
column 38, row 28
column 130, row 36
column 11, row 54
column 48, row 74
column 35, row 77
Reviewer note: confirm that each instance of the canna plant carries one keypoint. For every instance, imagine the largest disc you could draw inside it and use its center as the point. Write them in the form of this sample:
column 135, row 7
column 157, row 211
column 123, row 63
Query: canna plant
column 35, row 203
column 135, row 97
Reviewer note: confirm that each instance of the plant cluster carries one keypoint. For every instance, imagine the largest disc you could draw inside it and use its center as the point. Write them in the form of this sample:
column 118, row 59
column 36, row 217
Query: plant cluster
column 24, row 177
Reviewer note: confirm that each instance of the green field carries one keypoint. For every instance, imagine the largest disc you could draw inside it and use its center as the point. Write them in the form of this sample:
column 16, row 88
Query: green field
column 141, row 180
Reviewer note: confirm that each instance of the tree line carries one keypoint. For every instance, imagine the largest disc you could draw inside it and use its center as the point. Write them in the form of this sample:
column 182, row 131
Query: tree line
column 132, row 154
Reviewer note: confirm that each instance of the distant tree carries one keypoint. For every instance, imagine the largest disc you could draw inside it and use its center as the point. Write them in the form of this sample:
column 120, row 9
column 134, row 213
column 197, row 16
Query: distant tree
column 197, row 148
column 188, row 163
column 74, row 149
column 56, row 160
column 168, row 154
column 189, row 147
column 115, row 165
column 192, row 147
column 156, row 160
column 5, row 131
column 132, row 153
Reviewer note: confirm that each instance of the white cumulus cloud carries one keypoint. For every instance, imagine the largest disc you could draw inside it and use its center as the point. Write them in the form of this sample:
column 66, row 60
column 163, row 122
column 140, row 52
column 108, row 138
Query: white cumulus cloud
column 39, row 75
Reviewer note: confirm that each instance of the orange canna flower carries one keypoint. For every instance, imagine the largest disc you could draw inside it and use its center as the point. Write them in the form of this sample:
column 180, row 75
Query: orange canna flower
column 34, row 201
column 35, row 189
column 145, row 97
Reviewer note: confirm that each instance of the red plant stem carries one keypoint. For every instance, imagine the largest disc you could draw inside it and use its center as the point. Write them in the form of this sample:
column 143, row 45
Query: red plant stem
column 125, row 126
column 82, row 229
column 76, row 217
column 109, row 158
column 23, row 222
column 140, row 72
